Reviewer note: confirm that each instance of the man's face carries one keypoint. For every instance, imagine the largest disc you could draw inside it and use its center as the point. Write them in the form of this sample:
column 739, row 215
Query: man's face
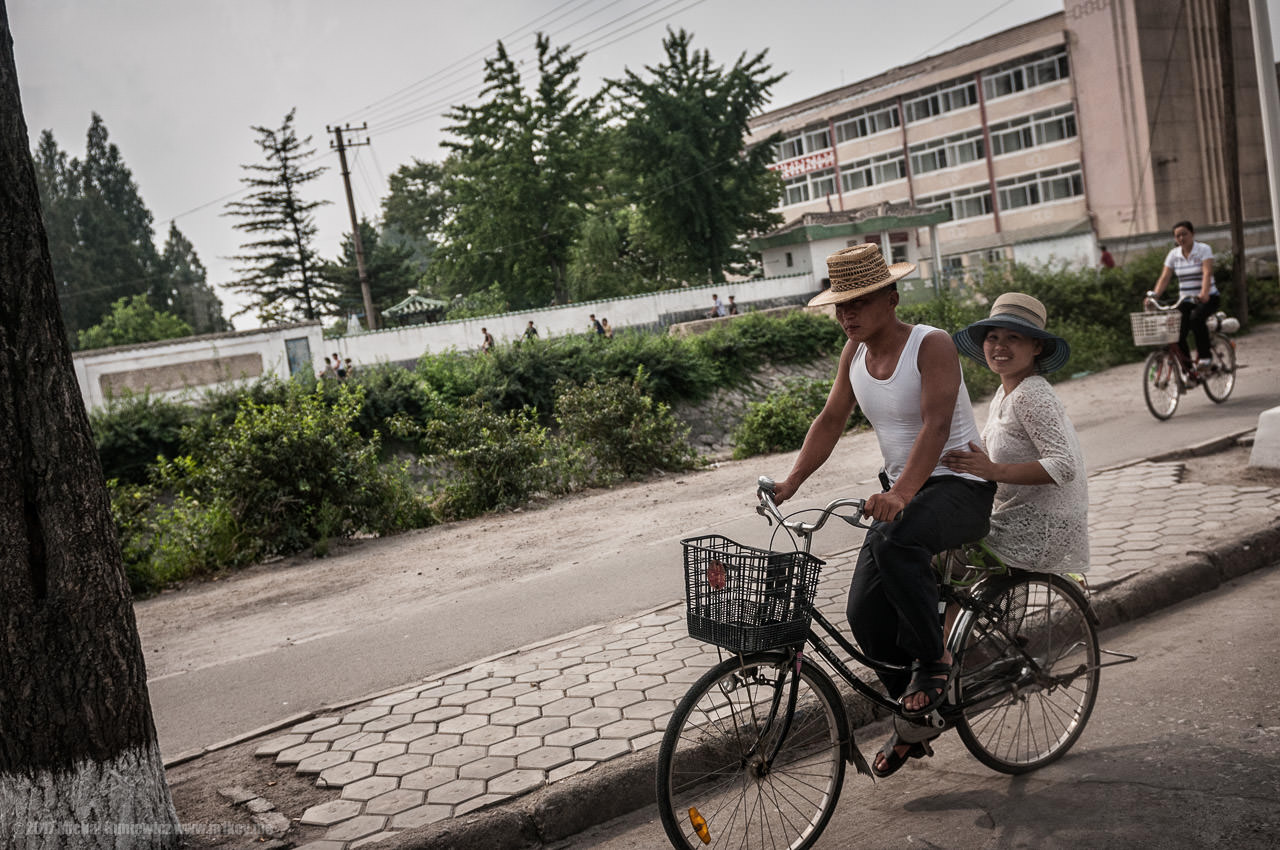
column 862, row 317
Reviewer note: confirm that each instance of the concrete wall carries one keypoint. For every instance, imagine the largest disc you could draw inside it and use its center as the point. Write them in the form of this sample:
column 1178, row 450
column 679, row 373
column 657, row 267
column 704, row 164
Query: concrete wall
column 653, row 310
column 180, row 367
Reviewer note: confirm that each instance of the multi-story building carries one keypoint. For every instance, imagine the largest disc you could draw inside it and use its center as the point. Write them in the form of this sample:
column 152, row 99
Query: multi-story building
column 1099, row 124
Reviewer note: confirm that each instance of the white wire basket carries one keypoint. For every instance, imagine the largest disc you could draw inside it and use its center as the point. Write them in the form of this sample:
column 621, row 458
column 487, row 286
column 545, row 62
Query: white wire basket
column 1155, row 328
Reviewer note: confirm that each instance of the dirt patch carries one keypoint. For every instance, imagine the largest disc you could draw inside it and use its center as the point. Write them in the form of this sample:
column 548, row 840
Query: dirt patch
column 1229, row 467
column 223, row 823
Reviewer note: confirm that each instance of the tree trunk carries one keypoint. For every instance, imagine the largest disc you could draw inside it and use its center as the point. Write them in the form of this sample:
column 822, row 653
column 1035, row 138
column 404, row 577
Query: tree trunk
column 79, row 763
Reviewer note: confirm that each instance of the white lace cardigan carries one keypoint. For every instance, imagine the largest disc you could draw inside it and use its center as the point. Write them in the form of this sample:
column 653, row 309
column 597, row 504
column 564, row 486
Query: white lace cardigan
column 1041, row 527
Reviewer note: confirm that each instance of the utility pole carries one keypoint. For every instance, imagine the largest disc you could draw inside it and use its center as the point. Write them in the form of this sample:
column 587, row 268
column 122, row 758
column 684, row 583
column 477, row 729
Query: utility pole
column 370, row 320
column 1269, row 94
column 1231, row 158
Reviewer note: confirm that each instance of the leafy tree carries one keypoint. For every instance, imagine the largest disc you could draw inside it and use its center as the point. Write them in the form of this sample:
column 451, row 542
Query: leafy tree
column 99, row 229
column 415, row 209
column 526, row 169
column 191, row 298
column 77, row 738
column 279, row 267
column 683, row 140
column 133, row 320
column 388, row 267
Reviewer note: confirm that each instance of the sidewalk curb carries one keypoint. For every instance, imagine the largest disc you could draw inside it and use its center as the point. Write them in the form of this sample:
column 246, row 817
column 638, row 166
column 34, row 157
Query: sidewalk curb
column 626, row 784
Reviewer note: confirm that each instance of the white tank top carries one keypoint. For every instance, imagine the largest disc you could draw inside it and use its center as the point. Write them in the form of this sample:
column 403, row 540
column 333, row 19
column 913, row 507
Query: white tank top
column 892, row 406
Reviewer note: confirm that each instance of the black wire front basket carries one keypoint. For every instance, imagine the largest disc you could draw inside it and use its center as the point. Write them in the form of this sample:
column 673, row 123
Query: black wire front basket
column 746, row 599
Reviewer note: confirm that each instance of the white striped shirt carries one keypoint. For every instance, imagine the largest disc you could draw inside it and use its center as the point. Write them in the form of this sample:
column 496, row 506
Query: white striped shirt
column 1190, row 269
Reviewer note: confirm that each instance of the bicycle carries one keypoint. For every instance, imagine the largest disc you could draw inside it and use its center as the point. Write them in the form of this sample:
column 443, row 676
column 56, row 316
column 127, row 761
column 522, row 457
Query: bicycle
column 755, row 752
column 1167, row 375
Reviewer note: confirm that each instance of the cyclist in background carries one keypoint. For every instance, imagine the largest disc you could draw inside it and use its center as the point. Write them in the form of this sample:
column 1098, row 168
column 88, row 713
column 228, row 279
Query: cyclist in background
column 1192, row 262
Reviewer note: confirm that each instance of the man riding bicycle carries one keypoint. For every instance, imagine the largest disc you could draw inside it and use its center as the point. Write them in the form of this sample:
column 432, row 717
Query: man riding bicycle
column 907, row 380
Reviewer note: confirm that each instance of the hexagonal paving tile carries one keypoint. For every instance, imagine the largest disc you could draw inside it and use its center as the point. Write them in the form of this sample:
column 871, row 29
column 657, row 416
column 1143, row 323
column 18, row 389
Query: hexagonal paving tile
column 487, row 767
column 388, row 723
column 359, row 741
column 395, row 802
column 280, row 743
column 379, row 752
column 421, row 816
column 343, row 774
column 315, row 724
column 369, row 787
column 456, row 792
column 315, row 764
column 413, row 706
column 463, row 724
column 398, row 698
column 490, row 705
column 571, row 737
column 626, row 729
column 434, row 744
column 602, row 750
column 545, row 758
column 336, row 732
column 357, row 827
column 540, row 697
column 596, row 717
column 478, row 803
column 517, row 782
column 488, row 735
column 515, row 715
column 438, row 714
column 456, row 756
column 515, row 746
column 428, row 778
column 570, row 769
column 327, row 814
column 439, row 690
column 463, row 698
column 410, row 732
column 401, row 765
column 297, row 753
column 619, row 699
column 362, row 715
column 589, row 689
column 566, row 707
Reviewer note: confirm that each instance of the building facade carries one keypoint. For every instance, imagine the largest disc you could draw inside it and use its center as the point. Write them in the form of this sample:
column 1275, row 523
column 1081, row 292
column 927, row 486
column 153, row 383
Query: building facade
column 1099, row 124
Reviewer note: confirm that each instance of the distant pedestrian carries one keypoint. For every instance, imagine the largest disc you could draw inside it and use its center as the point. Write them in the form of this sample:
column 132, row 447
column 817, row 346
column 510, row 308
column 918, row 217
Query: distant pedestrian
column 487, row 344
column 717, row 308
column 329, row 372
column 733, row 307
column 596, row 326
column 349, row 367
column 608, row 331
column 1108, row 262
column 338, row 367
column 530, row 332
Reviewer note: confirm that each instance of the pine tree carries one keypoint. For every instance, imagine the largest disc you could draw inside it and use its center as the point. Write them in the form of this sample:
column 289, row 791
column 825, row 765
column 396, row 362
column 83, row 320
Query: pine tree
column 684, row 140
column 99, row 229
column 279, row 267
column 77, row 741
column 526, row 166
column 388, row 267
column 191, row 298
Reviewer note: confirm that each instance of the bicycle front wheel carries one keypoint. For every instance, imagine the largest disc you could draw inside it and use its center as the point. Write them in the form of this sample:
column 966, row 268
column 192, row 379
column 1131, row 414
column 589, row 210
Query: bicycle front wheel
column 1221, row 379
column 1161, row 384
column 1028, row 671
column 725, row 779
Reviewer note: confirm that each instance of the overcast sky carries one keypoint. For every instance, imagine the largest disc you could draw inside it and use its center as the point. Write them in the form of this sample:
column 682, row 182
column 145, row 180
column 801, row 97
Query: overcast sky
column 180, row 83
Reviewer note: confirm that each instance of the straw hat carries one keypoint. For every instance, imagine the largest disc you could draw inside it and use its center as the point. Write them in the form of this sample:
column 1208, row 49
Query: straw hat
column 857, row 271
column 1024, row 314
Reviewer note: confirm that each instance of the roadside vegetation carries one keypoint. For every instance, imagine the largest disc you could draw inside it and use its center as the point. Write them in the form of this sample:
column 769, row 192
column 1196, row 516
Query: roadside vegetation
column 274, row 468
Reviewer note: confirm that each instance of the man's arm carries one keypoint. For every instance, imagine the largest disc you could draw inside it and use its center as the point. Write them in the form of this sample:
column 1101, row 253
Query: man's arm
column 939, row 386
column 825, row 431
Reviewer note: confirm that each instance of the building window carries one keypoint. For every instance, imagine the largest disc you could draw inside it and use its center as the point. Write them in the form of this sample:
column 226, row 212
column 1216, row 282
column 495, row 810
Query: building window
column 970, row 202
column 956, row 94
column 790, row 263
column 801, row 143
column 867, row 122
column 805, row 187
column 1029, row 131
column 791, row 148
column 796, row 189
column 898, row 252
column 1026, row 72
column 937, row 154
column 884, row 168
column 823, row 183
column 1041, row 187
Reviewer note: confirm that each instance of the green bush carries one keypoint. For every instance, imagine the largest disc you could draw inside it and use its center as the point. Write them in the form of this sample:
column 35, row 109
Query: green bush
column 621, row 430
column 131, row 431
column 489, row 459
column 780, row 422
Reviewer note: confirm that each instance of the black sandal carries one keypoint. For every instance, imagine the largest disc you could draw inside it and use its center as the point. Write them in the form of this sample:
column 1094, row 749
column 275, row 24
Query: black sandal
column 928, row 677
column 893, row 761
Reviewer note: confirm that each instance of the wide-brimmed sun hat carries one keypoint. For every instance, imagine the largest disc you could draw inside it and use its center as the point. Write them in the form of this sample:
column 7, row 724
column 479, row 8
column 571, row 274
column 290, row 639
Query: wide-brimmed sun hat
column 857, row 271
column 1019, row 312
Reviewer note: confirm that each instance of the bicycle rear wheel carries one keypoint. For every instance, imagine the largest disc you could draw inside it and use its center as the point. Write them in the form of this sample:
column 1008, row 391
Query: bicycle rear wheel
column 1028, row 661
column 1161, row 384
column 1221, row 379
column 719, row 782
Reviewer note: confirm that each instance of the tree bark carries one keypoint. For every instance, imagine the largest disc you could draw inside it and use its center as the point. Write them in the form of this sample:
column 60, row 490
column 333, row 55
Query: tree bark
column 79, row 763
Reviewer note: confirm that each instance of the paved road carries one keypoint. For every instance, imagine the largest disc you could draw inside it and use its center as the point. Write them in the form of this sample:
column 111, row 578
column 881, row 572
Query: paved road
column 237, row 694
column 1182, row 751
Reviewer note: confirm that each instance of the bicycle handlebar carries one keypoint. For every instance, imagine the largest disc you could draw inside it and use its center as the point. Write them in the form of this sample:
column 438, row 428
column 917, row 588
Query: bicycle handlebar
column 769, row 510
column 1151, row 302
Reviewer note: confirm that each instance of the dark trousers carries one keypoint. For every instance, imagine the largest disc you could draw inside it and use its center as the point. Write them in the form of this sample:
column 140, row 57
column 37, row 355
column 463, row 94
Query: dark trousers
column 893, row 598
column 1194, row 316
